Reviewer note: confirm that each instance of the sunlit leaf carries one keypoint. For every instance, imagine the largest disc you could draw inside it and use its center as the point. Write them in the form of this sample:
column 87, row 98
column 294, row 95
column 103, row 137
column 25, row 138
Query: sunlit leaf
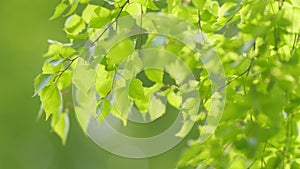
column 51, row 100
column 156, row 109
column 40, row 82
column 61, row 124
column 84, row 78
column 59, row 10
column 155, row 75
column 119, row 52
column 104, row 110
column 174, row 99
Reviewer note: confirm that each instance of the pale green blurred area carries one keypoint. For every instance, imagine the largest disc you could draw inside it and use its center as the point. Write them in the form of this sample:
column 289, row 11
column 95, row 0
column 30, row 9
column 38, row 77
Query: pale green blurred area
column 24, row 142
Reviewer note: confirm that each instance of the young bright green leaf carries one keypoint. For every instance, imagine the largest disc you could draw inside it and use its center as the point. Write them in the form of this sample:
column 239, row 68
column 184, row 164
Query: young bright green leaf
column 65, row 80
column 232, row 10
column 199, row 3
column 115, row 111
column 53, row 49
column 74, row 25
column 190, row 106
column 185, row 129
column 84, row 1
column 156, row 109
column 49, row 68
column 151, row 5
column 174, row 99
column 88, row 12
column 122, row 102
column 147, row 3
column 136, row 89
column 101, row 17
column 136, row 92
column 104, row 80
column 73, row 8
column 155, row 75
column 67, row 51
column 84, row 78
column 59, row 10
column 40, row 82
column 51, row 99
column 61, row 124
column 119, row 52
column 178, row 71
column 104, row 110
column 135, row 9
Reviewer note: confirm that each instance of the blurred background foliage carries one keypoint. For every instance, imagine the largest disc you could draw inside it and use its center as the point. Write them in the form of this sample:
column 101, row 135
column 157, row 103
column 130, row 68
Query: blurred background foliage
column 26, row 143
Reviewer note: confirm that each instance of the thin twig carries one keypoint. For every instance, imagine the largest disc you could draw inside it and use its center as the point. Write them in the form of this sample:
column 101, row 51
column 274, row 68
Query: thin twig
column 246, row 72
column 60, row 73
column 110, row 24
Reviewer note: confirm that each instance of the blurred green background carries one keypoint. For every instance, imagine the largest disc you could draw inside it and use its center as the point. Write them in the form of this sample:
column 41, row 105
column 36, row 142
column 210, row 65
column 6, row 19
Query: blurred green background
column 26, row 143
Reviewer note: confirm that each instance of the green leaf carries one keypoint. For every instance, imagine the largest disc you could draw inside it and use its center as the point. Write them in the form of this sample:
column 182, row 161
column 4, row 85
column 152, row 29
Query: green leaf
column 74, row 25
column 104, row 81
column 185, row 129
column 60, row 125
column 104, row 109
column 84, row 1
column 147, row 3
column 88, row 12
column 151, row 5
column 40, row 82
column 233, row 10
column 53, row 49
column 119, row 52
column 136, row 89
column 136, row 92
column 59, row 10
column 178, row 71
column 100, row 18
column 190, row 106
column 74, row 6
column 199, row 3
column 51, row 99
column 156, row 109
column 135, row 9
column 155, row 75
column 65, row 80
column 67, row 51
column 174, row 99
column 122, row 102
column 84, row 78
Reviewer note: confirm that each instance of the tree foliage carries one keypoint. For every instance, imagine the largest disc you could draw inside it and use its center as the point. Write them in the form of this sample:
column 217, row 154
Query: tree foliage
column 257, row 41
